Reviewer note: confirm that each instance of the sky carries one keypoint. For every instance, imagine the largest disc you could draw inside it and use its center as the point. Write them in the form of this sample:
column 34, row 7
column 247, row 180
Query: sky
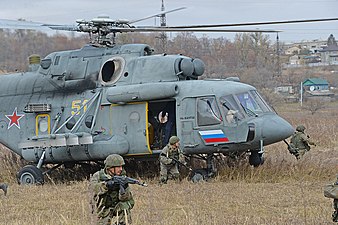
column 197, row 12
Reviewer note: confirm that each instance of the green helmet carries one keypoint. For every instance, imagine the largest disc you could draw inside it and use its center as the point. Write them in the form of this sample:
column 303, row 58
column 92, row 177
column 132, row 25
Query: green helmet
column 173, row 140
column 113, row 160
column 300, row 128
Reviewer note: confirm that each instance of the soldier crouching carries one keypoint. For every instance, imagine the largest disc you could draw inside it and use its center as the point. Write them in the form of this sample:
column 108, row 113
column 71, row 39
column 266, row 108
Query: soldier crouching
column 112, row 202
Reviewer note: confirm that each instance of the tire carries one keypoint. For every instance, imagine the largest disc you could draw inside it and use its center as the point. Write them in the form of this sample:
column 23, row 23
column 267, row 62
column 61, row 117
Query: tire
column 29, row 175
column 256, row 159
column 199, row 175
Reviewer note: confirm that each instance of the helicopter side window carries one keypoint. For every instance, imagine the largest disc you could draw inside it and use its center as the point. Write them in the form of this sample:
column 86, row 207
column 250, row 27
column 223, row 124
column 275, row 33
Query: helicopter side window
column 208, row 112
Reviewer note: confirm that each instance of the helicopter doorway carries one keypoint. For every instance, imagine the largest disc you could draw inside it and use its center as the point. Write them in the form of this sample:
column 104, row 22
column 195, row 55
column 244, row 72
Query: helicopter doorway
column 162, row 122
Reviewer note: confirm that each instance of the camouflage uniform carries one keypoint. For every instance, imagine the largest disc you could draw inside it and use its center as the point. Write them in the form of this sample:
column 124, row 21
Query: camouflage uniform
column 300, row 142
column 110, row 204
column 168, row 165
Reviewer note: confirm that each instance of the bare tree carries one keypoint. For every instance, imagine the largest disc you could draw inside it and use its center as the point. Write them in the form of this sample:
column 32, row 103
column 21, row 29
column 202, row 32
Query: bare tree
column 313, row 105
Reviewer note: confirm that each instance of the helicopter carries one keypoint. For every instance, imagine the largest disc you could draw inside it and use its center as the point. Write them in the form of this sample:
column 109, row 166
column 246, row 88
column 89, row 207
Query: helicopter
column 82, row 105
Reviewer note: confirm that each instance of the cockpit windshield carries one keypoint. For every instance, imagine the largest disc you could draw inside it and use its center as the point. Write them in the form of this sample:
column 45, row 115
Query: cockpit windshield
column 244, row 104
column 252, row 103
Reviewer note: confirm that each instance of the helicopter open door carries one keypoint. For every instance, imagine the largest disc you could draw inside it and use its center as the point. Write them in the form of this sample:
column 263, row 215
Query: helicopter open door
column 129, row 122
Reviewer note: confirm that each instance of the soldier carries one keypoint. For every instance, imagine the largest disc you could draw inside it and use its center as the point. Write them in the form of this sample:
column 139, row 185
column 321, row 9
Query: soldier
column 300, row 142
column 4, row 187
column 112, row 203
column 169, row 158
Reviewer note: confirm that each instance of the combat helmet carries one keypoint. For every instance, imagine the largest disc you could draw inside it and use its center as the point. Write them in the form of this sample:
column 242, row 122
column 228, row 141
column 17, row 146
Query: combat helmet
column 173, row 140
column 113, row 160
column 300, row 128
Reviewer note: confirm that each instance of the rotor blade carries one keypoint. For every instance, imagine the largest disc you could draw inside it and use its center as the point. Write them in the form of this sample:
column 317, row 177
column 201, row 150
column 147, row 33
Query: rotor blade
column 19, row 25
column 28, row 25
column 62, row 27
column 256, row 23
column 160, row 29
column 156, row 15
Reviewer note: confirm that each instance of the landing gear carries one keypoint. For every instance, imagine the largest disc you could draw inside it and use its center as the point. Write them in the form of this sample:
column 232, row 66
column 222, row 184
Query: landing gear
column 256, row 158
column 30, row 174
column 203, row 174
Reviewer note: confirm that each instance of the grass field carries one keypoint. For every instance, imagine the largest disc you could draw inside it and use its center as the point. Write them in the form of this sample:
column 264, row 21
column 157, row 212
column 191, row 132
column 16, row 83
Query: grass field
column 282, row 191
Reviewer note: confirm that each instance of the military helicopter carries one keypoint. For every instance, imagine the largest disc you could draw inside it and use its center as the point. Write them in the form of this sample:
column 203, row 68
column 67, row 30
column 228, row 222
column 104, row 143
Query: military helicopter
column 83, row 105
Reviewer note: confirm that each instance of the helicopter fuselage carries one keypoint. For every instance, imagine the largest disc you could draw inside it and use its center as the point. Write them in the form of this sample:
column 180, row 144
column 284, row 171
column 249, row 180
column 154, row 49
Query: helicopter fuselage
column 85, row 104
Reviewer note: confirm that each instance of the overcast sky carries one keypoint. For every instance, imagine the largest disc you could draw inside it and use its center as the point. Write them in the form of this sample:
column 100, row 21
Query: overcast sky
column 197, row 12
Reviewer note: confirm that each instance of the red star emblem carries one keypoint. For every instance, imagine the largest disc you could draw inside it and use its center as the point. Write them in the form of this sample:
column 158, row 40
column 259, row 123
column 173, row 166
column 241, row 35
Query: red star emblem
column 14, row 119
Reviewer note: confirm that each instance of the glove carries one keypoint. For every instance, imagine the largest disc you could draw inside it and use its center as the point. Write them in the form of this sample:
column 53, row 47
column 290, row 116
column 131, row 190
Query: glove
column 110, row 185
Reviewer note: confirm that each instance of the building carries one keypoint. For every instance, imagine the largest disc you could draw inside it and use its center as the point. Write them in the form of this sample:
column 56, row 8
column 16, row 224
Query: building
column 329, row 54
column 316, row 87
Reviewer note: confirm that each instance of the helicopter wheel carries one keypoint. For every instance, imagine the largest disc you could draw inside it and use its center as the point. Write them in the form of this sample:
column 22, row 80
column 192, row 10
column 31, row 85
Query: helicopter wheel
column 256, row 159
column 199, row 175
column 29, row 175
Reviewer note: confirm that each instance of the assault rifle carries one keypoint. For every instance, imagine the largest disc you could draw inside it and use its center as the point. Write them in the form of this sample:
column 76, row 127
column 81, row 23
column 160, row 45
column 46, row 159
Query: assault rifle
column 292, row 150
column 122, row 181
column 180, row 163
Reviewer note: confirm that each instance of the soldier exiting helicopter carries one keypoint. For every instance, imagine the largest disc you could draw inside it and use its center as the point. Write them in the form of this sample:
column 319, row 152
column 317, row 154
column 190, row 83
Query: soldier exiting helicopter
column 168, row 116
column 112, row 203
column 169, row 158
column 300, row 142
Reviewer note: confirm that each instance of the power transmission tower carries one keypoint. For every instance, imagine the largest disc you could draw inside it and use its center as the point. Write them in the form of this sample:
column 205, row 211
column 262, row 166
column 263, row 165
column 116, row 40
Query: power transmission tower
column 163, row 36
column 279, row 69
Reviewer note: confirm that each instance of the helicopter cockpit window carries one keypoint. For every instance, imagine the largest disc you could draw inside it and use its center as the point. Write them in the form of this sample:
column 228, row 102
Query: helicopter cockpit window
column 231, row 109
column 208, row 112
column 261, row 102
column 249, row 104
column 111, row 70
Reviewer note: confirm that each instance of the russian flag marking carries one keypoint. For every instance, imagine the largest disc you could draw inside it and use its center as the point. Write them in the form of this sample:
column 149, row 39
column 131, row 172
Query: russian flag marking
column 213, row 136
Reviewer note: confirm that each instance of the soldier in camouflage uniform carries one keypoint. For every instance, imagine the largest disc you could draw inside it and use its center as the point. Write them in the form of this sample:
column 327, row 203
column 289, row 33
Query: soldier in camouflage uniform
column 300, row 142
column 112, row 206
column 170, row 155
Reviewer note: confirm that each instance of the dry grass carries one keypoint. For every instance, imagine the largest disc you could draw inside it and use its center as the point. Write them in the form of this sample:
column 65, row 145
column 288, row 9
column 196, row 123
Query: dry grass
column 282, row 191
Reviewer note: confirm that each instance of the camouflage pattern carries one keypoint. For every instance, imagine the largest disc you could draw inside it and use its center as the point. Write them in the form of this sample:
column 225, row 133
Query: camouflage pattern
column 114, row 160
column 168, row 166
column 300, row 142
column 111, row 206
column 4, row 187
column 173, row 140
column 300, row 128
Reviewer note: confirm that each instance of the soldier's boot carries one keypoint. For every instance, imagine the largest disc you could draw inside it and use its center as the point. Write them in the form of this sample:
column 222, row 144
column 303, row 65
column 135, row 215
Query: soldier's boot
column 4, row 187
column 163, row 180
